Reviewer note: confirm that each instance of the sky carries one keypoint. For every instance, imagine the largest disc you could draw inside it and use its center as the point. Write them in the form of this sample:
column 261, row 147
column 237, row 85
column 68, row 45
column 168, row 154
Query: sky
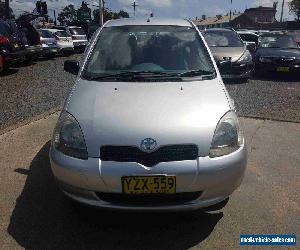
column 161, row 8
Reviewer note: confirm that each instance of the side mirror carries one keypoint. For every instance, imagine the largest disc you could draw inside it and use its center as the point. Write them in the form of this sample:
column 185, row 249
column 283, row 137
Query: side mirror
column 72, row 67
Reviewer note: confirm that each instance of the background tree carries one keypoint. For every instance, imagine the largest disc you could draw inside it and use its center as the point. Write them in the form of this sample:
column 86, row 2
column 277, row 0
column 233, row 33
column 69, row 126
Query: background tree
column 108, row 15
column 67, row 15
column 295, row 8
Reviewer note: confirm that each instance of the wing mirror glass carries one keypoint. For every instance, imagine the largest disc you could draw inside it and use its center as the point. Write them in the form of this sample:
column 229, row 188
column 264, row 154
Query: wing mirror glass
column 72, row 67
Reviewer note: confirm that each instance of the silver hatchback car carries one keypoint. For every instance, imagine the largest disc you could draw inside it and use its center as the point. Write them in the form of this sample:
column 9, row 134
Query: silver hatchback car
column 149, row 124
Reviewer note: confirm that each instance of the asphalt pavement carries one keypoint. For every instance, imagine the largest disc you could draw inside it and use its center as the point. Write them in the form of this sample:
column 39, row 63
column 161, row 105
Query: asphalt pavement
column 28, row 92
column 36, row 215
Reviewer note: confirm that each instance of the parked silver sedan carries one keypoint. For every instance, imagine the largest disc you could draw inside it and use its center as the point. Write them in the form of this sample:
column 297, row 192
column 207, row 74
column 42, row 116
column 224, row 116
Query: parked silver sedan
column 148, row 124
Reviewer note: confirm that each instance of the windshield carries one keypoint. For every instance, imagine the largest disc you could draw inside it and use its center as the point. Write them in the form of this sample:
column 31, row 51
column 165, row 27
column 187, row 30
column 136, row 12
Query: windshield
column 249, row 37
column 277, row 41
column 77, row 31
column 162, row 49
column 46, row 34
column 222, row 38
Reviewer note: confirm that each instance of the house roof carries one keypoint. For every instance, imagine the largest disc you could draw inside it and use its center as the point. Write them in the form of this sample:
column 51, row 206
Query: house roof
column 260, row 8
column 215, row 20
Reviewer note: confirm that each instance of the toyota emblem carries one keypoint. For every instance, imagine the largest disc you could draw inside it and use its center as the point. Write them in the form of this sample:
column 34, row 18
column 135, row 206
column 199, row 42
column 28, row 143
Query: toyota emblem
column 148, row 144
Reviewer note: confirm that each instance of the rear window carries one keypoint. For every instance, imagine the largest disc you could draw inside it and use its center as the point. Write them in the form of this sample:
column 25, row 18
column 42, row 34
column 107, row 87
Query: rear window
column 77, row 31
column 62, row 34
column 45, row 34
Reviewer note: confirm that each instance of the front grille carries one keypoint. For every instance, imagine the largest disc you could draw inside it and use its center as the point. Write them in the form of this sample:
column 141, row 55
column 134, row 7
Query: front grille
column 149, row 199
column 163, row 154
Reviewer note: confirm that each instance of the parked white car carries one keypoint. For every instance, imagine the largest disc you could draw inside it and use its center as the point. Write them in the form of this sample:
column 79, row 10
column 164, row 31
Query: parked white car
column 64, row 41
column 78, row 35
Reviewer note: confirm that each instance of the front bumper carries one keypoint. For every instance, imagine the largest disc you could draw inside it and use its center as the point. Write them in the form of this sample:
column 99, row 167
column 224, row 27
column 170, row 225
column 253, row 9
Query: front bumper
column 238, row 71
column 51, row 50
column 215, row 179
column 79, row 44
column 35, row 50
column 273, row 67
column 66, row 49
column 10, row 58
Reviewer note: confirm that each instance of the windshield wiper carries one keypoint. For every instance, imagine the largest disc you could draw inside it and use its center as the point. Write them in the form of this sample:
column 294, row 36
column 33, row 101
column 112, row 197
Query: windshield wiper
column 133, row 75
column 192, row 73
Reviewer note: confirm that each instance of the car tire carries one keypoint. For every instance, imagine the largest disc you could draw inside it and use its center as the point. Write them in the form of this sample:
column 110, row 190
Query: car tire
column 217, row 206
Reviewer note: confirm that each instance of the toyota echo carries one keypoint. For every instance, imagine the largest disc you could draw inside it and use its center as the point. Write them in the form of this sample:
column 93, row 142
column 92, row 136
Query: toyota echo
column 149, row 124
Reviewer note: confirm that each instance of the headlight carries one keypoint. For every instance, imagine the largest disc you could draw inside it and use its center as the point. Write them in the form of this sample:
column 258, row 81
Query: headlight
column 228, row 136
column 68, row 137
column 246, row 57
column 265, row 59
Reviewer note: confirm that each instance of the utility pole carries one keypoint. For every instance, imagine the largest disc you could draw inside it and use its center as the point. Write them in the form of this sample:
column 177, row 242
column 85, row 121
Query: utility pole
column 281, row 17
column 7, row 10
column 134, row 5
column 54, row 12
column 230, row 15
column 101, row 12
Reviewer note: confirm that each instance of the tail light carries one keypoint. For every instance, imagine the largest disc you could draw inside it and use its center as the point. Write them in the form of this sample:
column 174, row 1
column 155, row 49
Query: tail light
column 4, row 40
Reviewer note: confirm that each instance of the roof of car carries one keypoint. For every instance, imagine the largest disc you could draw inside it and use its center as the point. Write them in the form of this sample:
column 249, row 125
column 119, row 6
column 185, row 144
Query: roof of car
column 52, row 30
column 247, row 32
column 220, row 29
column 147, row 21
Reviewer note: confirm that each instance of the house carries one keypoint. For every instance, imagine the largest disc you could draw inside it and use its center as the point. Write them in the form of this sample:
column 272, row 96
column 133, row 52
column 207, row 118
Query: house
column 253, row 18
column 218, row 21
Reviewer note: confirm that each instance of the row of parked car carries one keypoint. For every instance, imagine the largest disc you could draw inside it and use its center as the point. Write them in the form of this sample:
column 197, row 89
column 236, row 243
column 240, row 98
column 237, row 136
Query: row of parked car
column 241, row 53
column 21, row 42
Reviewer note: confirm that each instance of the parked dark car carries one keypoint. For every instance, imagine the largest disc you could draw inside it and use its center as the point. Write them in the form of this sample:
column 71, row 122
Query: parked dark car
column 231, row 54
column 11, row 48
column 277, row 53
column 31, row 37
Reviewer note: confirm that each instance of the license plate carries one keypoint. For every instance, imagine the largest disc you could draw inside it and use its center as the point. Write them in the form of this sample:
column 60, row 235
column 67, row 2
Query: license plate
column 155, row 184
column 283, row 69
column 16, row 45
